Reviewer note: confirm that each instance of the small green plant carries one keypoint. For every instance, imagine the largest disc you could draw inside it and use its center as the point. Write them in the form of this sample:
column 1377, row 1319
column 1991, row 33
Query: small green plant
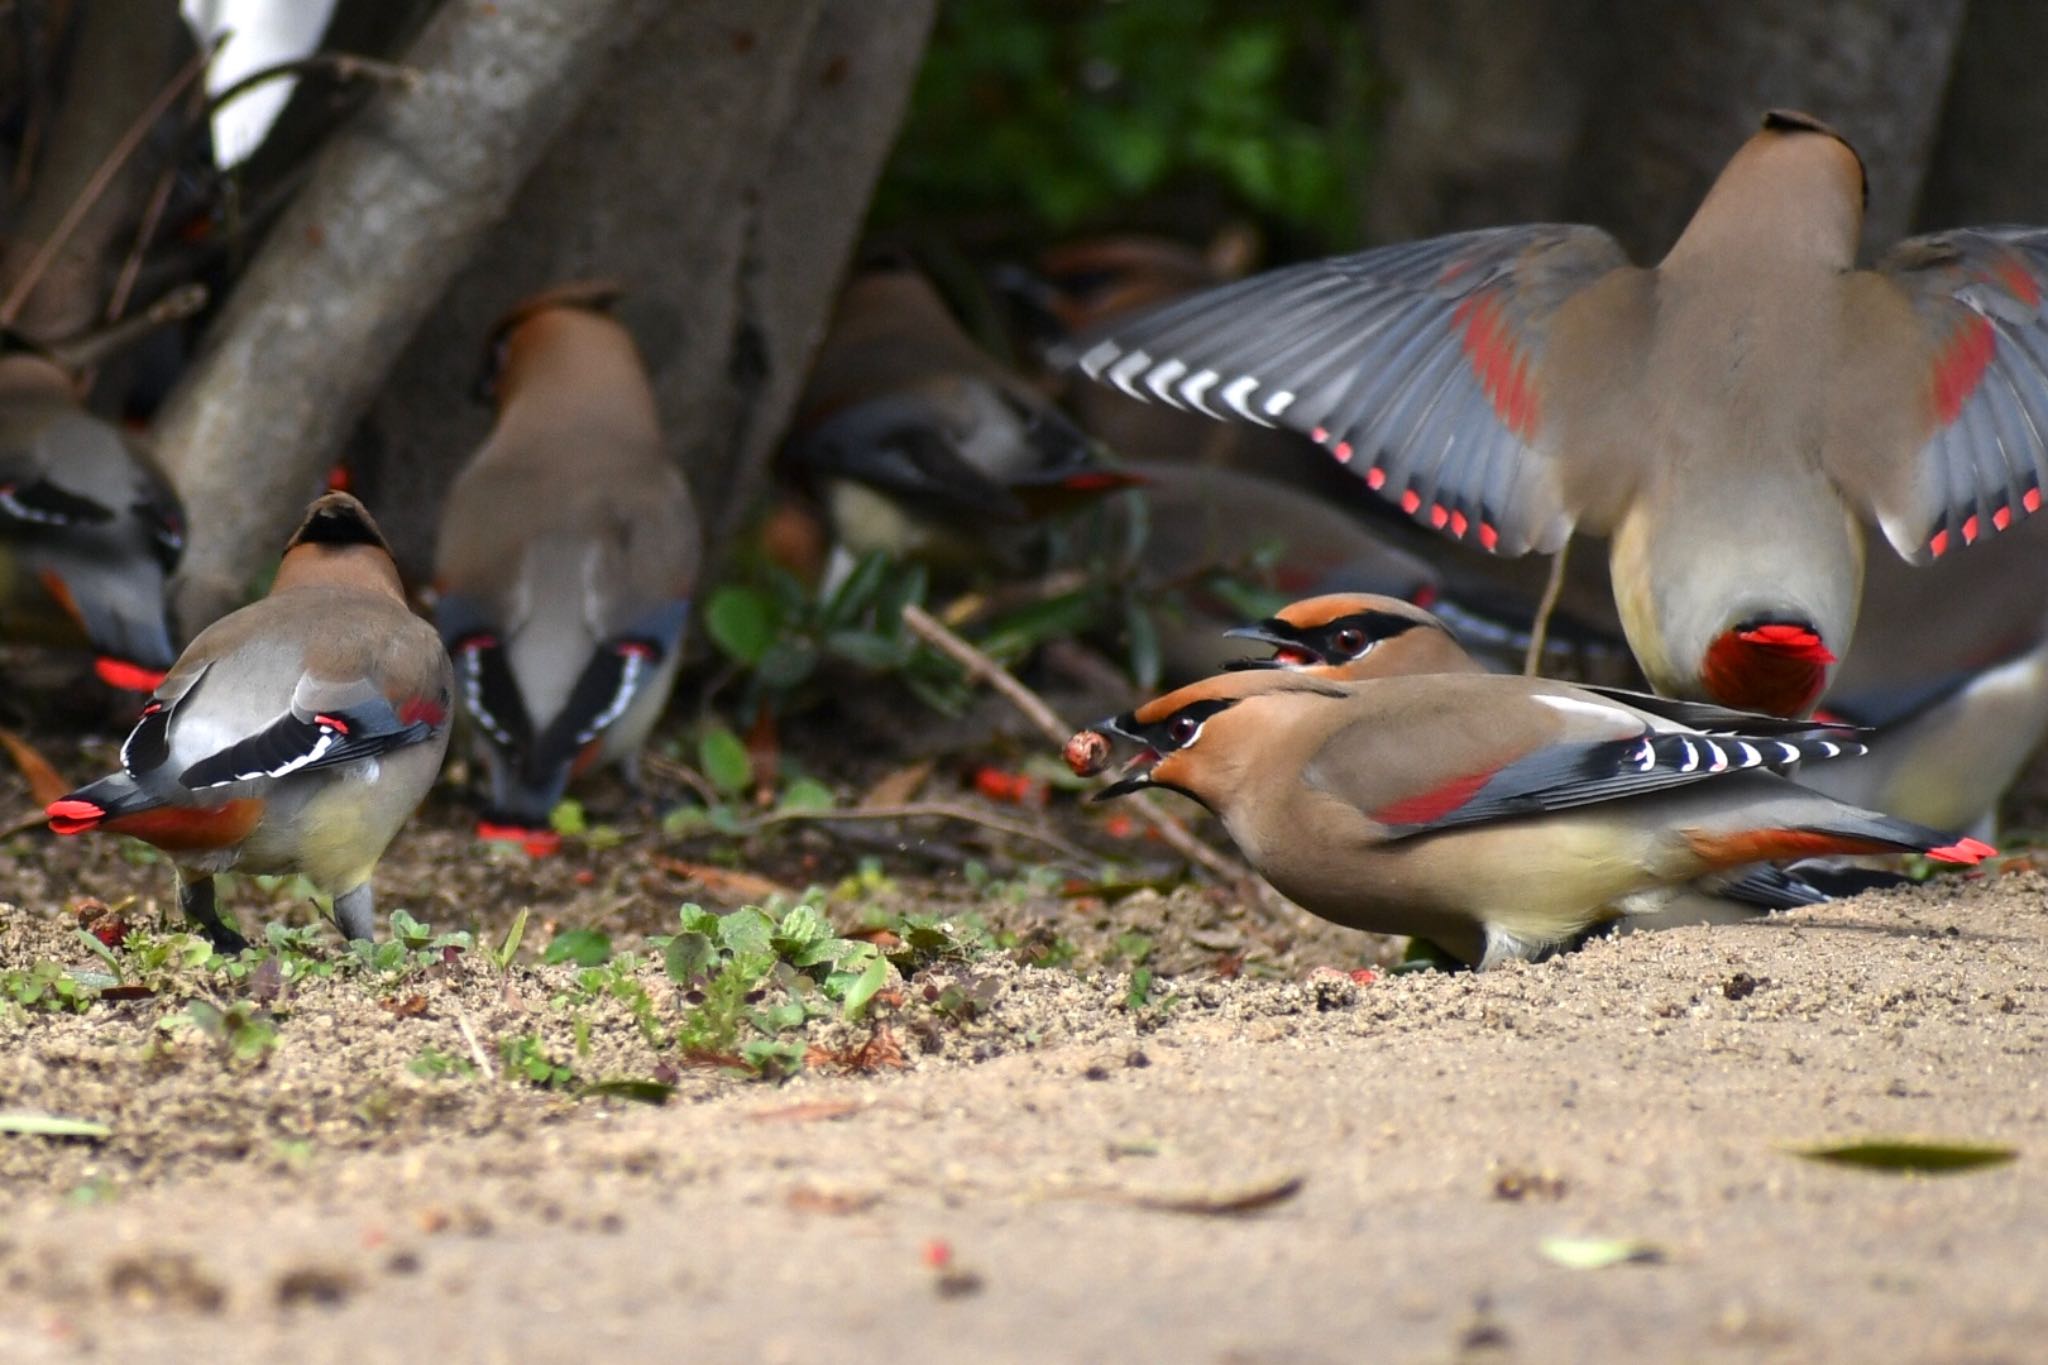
column 412, row 945
column 722, row 960
column 241, row 1032
column 526, row 1059
column 435, row 1065
column 46, row 986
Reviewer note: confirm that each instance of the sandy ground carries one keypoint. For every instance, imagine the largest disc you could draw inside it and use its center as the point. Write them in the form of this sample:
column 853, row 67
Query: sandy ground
column 1047, row 1181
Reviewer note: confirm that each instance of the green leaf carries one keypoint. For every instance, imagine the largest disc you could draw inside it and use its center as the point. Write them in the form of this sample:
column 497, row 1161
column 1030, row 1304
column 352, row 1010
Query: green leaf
column 870, row 650
column 584, row 947
column 864, row 987
column 567, row 817
column 802, row 927
column 725, row 761
column 1598, row 1253
column 52, row 1125
column 747, row 932
column 1909, row 1157
column 507, row 949
column 804, row 794
column 689, row 955
column 640, row 1092
column 695, row 919
column 857, row 590
column 743, row 622
column 787, row 662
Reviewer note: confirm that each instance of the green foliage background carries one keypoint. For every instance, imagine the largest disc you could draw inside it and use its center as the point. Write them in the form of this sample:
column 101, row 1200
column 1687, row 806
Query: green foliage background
column 1040, row 117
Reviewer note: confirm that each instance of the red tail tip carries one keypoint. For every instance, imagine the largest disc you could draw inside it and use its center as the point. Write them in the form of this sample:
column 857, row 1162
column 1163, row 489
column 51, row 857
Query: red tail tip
column 73, row 816
column 1797, row 641
column 1968, row 852
column 126, row 676
column 538, row 843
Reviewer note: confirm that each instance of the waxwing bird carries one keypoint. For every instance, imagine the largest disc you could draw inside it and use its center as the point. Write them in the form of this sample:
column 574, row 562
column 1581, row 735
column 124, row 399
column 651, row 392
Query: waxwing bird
column 1497, row 817
column 1208, row 530
column 295, row 735
column 1730, row 418
column 567, row 554
column 919, row 444
column 1353, row 636
column 90, row 529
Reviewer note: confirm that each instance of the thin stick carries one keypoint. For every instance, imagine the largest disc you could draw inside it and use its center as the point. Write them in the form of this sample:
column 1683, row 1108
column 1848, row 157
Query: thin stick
column 343, row 66
column 1553, row 587
column 145, row 233
column 982, row 668
column 483, row 1060
column 935, row 810
column 102, row 176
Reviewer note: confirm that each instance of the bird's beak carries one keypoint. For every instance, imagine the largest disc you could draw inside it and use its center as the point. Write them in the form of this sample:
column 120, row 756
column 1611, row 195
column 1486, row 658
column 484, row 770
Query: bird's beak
column 1137, row 773
column 1287, row 650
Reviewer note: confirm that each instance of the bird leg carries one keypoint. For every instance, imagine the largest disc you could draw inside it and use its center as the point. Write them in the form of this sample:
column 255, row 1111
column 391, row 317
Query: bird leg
column 196, row 899
column 355, row 913
column 1553, row 587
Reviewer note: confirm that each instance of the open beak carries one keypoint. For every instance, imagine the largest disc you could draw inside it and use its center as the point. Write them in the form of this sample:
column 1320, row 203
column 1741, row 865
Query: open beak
column 1136, row 774
column 1792, row 641
column 1287, row 650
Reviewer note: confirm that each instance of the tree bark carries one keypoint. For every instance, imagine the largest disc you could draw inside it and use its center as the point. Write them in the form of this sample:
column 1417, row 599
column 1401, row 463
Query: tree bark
column 1991, row 160
column 1690, row 78
column 1621, row 112
column 396, row 203
column 721, row 175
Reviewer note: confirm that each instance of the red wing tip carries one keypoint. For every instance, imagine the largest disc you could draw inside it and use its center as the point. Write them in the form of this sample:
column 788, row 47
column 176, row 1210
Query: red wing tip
column 126, row 676
column 1968, row 852
column 538, row 843
column 73, row 816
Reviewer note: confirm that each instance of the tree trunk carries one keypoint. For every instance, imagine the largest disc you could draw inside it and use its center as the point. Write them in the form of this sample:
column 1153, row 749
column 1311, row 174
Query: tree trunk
column 1489, row 103
column 1621, row 112
column 721, row 176
column 396, row 202
column 1690, row 78
column 1991, row 159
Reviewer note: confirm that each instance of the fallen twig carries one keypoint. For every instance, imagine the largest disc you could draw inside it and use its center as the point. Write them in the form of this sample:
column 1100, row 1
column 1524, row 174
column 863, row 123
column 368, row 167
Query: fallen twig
column 981, row 668
column 343, row 66
column 935, row 810
column 476, row 1051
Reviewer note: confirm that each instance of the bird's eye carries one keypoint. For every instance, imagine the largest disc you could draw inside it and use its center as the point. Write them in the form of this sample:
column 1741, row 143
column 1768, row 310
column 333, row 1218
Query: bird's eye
column 1182, row 729
column 1350, row 641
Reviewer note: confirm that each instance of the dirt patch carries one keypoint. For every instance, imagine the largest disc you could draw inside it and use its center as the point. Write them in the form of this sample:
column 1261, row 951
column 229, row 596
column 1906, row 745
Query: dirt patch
column 1098, row 1126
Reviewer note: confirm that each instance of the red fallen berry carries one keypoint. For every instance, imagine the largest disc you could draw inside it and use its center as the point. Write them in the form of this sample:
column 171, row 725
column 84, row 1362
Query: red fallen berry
column 112, row 932
column 1087, row 753
column 1014, row 788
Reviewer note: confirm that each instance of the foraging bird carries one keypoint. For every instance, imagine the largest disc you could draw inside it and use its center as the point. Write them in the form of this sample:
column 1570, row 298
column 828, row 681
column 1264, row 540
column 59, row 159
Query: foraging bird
column 1210, row 530
column 920, row 444
column 90, row 529
column 295, row 735
column 567, row 554
column 1498, row 817
column 1729, row 417
column 1349, row 637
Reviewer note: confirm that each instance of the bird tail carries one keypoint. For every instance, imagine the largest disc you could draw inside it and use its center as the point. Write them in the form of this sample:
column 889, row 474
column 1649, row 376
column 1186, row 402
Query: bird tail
column 1838, row 831
column 92, row 805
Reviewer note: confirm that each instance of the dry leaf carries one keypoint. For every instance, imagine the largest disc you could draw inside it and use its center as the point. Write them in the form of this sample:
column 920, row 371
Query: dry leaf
column 839, row 1203
column 44, row 784
column 723, row 882
column 810, row 1111
column 1224, row 1203
column 899, row 786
